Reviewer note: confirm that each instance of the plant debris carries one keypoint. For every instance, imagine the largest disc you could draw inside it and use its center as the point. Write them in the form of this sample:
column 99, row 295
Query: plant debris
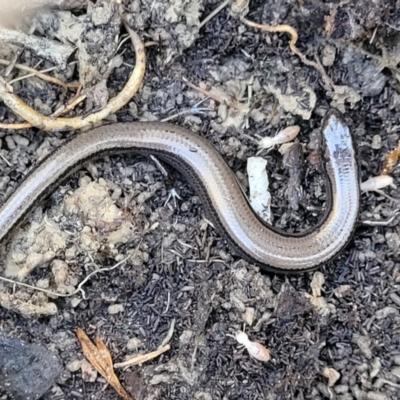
column 100, row 358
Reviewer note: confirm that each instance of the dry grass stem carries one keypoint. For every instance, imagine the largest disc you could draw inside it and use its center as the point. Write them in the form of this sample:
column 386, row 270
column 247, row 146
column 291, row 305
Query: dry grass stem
column 142, row 358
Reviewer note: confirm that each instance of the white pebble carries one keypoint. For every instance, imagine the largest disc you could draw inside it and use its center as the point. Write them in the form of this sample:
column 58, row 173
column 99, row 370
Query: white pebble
column 20, row 140
column 115, row 309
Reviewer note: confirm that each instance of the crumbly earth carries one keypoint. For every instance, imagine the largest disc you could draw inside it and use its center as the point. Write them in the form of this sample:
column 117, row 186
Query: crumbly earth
column 181, row 272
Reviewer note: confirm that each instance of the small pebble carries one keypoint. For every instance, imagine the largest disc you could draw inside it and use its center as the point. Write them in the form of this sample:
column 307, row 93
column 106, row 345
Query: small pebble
column 10, row 143
column 89, row 374
column 4, row 182
column 395, row 298
column 358, row 393
column 343, row 291
column 248, row 316
column 27, row 370
column 362, row 367
column 346, row 396
column 133, row 109
column 92, row 170
column 74, row 366
column 396, row 372
column 364, row 344
column 115, row 309
column 332, row 375
column 396, row 360
column 376, row 367
column 378, row 384
column 185, row 337
column 20, row 140
column 43, row 283
column 376, row 142
column 75, row 301
column 385, row 312
column 341, row 389
column 376, row 396
column 328, row 55
column 133, row 344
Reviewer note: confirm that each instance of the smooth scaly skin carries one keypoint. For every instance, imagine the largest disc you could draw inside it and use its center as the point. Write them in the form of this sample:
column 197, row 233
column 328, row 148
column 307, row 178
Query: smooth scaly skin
column 216, row 185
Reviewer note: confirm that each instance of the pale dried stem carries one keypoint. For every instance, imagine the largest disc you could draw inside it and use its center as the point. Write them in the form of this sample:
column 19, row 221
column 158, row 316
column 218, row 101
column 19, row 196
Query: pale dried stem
column 142, row 358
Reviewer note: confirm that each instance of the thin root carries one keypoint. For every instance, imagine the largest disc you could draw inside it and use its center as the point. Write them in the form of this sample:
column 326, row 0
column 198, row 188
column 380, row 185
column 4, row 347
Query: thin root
column 79, row 289
column 70, row 106
column 292, row 45
column 214, row 13
column 62, row 124
column 64, row 110
column 17, row 126
column 39, row 74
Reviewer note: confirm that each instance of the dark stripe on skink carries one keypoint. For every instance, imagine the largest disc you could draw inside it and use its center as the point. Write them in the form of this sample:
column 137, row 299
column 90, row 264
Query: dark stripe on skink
column 216, row 185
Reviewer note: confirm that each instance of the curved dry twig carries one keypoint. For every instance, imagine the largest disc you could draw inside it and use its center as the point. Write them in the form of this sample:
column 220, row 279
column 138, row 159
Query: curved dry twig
column 292, row 45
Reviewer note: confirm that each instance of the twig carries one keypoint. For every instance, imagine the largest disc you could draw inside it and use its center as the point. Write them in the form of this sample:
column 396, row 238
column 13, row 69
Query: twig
column 215, row 96
column 21, row 78
column 61, row 124
column 214, row 13
column 203, row 91
column 14, row 60
column 278, row 28
column 169, row 335
column 387, row 196
column 5, row 160
column 70, row 106
column 142, row 358
column 385, row 222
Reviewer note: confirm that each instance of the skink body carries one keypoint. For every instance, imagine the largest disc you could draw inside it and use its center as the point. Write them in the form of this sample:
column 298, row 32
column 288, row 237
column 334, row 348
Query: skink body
column 216, row 185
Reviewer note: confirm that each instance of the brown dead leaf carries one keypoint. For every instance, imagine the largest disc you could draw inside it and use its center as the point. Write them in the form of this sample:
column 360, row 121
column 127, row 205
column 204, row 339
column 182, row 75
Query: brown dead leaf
column 100, row 358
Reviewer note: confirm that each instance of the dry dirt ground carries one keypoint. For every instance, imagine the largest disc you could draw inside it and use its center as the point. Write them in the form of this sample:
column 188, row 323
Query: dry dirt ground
column 182, row 274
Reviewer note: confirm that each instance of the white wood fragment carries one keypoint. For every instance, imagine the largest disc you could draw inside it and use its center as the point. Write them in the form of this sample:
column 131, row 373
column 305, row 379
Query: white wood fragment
column 260, row 198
